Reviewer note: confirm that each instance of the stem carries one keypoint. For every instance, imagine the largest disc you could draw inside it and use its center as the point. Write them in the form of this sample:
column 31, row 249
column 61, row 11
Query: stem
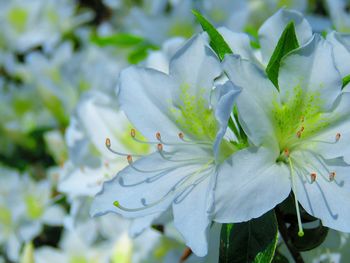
column 284, row 233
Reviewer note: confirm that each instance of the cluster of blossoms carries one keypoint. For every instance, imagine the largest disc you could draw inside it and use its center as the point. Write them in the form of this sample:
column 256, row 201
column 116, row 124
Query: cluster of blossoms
column 127, row 134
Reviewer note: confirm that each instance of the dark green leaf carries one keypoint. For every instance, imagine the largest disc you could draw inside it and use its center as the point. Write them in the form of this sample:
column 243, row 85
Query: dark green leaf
column 288, row 41
column 120, row 40
column 217, row 42
column 252, row 241
column 312, row 238
column 346, row 81
column 279, row 258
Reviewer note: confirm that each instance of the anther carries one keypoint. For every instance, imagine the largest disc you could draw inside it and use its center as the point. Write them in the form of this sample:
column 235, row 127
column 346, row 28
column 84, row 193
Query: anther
column 133, row 133
column 286, row 152
column 108, row 142
column 299, row 134
column 158, row 136
column 160, row 147
column 302, row 118
column 181, row 135
column 302, row 129
column 337, row 137
column 129, row 158
column 332, row 176
column 313, row 177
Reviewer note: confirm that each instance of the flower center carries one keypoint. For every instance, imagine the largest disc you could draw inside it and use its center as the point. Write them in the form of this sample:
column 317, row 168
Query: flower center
column 194, row 116
column 298, row 119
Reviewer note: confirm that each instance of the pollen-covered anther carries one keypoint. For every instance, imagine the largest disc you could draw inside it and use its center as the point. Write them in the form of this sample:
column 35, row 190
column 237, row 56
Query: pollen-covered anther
column 332, row 176
column 158, row 136
column 108, row 142
column 129, row 158
column 160, row 147
column 299, row 134
column 337, row 137
column 132, row 133
column 286, row 152
column 313, row 177
column 181, row 135
column 302, row 129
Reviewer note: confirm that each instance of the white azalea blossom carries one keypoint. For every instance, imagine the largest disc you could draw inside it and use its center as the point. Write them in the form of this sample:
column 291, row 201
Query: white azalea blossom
column 187, row 133
column 299, row 137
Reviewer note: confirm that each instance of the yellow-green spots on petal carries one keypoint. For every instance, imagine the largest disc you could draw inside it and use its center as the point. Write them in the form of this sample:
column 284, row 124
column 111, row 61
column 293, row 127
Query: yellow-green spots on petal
column 18, row 18
column 181, row 29
column 300, row 117
column 35, row 208
column 194, row 116
column 5, row 216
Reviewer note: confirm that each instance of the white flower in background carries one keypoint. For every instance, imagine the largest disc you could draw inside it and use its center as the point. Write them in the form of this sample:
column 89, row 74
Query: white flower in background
column 25, row 206
column 29, row 24
column 160, row 26
column 185, row 121
column 339, row 14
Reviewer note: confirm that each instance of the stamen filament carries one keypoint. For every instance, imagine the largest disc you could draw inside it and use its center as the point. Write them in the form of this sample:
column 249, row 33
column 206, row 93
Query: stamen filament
column 109, row 145
column 300, row 225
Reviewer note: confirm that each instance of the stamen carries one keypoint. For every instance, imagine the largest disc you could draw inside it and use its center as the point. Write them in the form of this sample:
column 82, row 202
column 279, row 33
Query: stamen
column 302, row 129
column 337, row 137
column 332, row 176
column 181, row 135
column 313, row 176
column 286, row 152
column 301, row 231
column 299, row 134
column 158, row 136
column 129, row 158
column 133, row 133
column 108, row 145
column 302, row 118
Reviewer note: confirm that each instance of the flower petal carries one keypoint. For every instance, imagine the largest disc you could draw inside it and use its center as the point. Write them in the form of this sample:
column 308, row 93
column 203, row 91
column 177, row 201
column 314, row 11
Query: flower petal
column 311, row 68
column 192, row 215
column 144, row 192
column 224, row 106
column 341, row 48
column 195, row 65
column 250, row 184
column 271, row 30
column 327, row 144
column 255, row 100
column 145, row 95
column 325, row 199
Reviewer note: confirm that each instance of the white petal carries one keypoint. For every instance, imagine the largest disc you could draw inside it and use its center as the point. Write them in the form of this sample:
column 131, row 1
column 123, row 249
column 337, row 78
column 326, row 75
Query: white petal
column 226, row 99
column 133, row 189
column 238, row 42
column 145, row 95
column 311, row 68
column 339, row 123
column 250, row 184
column 271, row 30
column 255, row 102
column 195, row 65
column 341, row 49
column 324, row 199
column 53, row 215
column 192, row 215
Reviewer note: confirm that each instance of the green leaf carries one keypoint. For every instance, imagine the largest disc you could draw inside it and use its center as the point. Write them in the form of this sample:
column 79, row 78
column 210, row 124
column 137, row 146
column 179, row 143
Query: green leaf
column 287, row 42
column 140, row 53
column 217, row 42
column 346, row 81
column 313, row 237
column 123, row 40
column 252, row 241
